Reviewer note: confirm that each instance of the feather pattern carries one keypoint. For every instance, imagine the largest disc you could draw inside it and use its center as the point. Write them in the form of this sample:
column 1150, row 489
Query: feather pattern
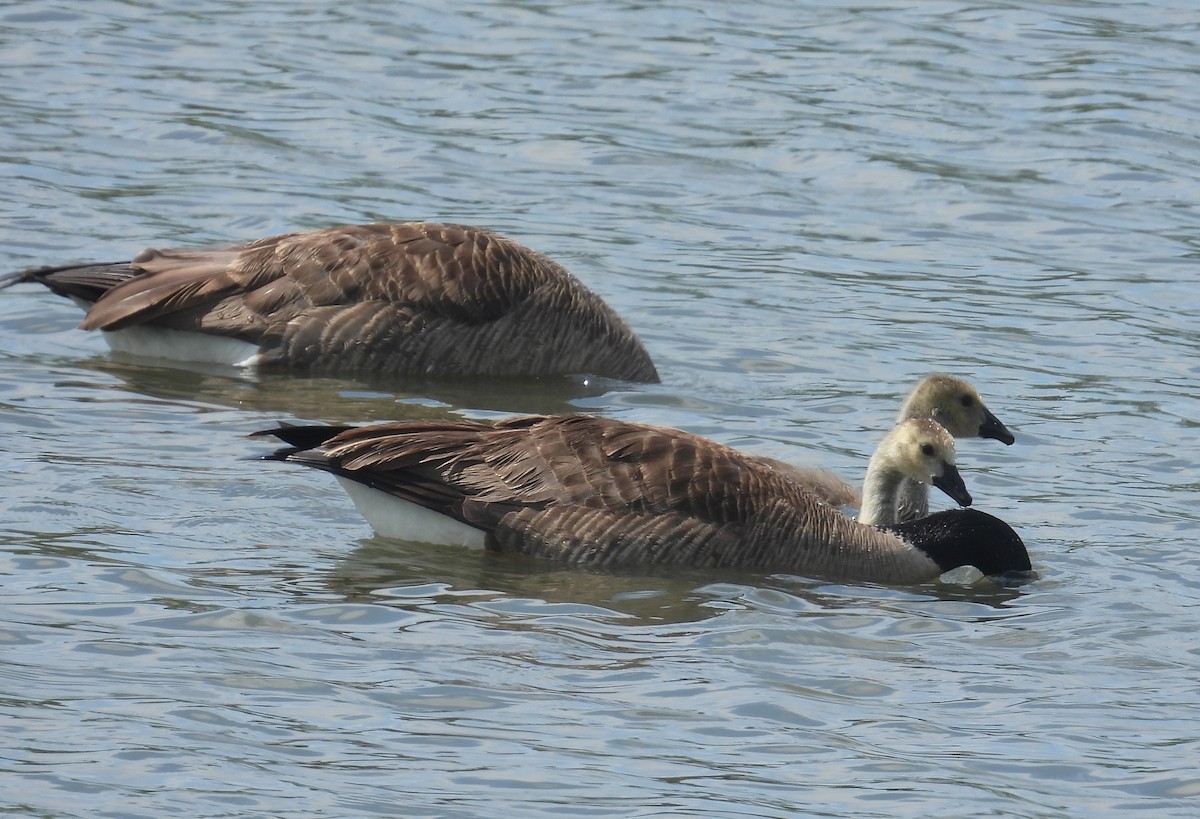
column 602, row 492
column 392, row 299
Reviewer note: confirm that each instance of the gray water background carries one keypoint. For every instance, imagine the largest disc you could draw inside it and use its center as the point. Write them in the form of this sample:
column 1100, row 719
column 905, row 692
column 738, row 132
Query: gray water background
column 802, row 208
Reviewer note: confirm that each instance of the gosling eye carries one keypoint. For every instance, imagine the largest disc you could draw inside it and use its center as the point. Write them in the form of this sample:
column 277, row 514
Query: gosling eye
column 966, row 400
column 927, row 449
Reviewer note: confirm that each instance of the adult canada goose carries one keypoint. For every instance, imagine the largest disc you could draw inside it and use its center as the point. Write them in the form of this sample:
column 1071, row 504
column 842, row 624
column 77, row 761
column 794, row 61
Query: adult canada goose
column 602, row 492
column 412, row 298
column 956, row 405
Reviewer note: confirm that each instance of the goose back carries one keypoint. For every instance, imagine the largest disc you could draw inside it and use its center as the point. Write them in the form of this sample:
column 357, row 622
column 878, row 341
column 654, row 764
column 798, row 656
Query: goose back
column 820, row 482
column 392, row 299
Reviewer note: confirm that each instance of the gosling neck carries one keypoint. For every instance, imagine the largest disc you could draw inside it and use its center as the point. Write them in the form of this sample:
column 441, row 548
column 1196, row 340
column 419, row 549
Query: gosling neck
column 881, row 494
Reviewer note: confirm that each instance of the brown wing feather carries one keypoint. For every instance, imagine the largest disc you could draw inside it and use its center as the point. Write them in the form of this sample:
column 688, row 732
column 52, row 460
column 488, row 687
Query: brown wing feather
column 457, row 271
column 562, row 461
column 167, row 282
column 588, row 490
column 416, row 297
column 85, row 282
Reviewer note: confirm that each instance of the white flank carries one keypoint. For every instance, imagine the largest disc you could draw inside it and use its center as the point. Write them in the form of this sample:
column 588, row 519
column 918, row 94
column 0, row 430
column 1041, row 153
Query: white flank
column 393, row 517
column 181, row 345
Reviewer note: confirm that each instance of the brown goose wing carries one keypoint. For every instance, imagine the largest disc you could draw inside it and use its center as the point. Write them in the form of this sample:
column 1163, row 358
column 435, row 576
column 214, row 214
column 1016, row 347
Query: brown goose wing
column 600, row 537
column 576, row 488
column 417, row 297
column 169, row 288
column 600, row 463
column 454, row 270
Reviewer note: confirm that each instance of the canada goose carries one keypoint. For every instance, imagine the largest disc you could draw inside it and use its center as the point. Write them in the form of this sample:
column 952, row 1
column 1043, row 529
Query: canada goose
column 412, row 298
column 956, row 405
column 601, row 492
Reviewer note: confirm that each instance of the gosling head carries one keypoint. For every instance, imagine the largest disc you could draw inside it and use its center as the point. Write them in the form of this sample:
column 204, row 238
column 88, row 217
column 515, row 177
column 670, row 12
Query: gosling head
column 923, row 450
column 956, row 405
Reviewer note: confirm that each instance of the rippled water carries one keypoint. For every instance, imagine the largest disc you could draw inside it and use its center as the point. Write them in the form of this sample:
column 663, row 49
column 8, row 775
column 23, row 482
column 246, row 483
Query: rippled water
column 802, row 208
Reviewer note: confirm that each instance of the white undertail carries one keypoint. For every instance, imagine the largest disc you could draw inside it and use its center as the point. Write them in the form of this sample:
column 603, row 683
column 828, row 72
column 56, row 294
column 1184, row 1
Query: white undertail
column 394, row 517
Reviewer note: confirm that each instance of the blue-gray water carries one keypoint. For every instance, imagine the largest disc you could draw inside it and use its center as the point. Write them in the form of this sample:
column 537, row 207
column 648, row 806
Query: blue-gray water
column 802, row 208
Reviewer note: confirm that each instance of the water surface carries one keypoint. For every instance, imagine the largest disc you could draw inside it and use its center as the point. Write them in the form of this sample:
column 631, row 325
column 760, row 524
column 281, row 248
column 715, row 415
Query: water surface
column 802, row 208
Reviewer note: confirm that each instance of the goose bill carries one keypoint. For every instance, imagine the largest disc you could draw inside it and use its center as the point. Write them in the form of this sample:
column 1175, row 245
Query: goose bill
column 951, row 482
column 992, row 428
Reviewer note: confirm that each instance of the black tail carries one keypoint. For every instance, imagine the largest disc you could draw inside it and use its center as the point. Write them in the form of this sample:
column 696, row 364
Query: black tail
column 298, row 438
column 88, row 282
column 24, row 276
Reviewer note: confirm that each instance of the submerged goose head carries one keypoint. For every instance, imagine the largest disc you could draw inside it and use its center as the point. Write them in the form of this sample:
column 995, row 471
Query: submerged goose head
column 917, row 450
column 968, row 537
column 956, row 405
column 602, row 492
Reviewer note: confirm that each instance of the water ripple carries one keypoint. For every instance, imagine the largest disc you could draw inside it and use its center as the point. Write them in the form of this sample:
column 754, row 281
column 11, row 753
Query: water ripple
column 801, row 209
